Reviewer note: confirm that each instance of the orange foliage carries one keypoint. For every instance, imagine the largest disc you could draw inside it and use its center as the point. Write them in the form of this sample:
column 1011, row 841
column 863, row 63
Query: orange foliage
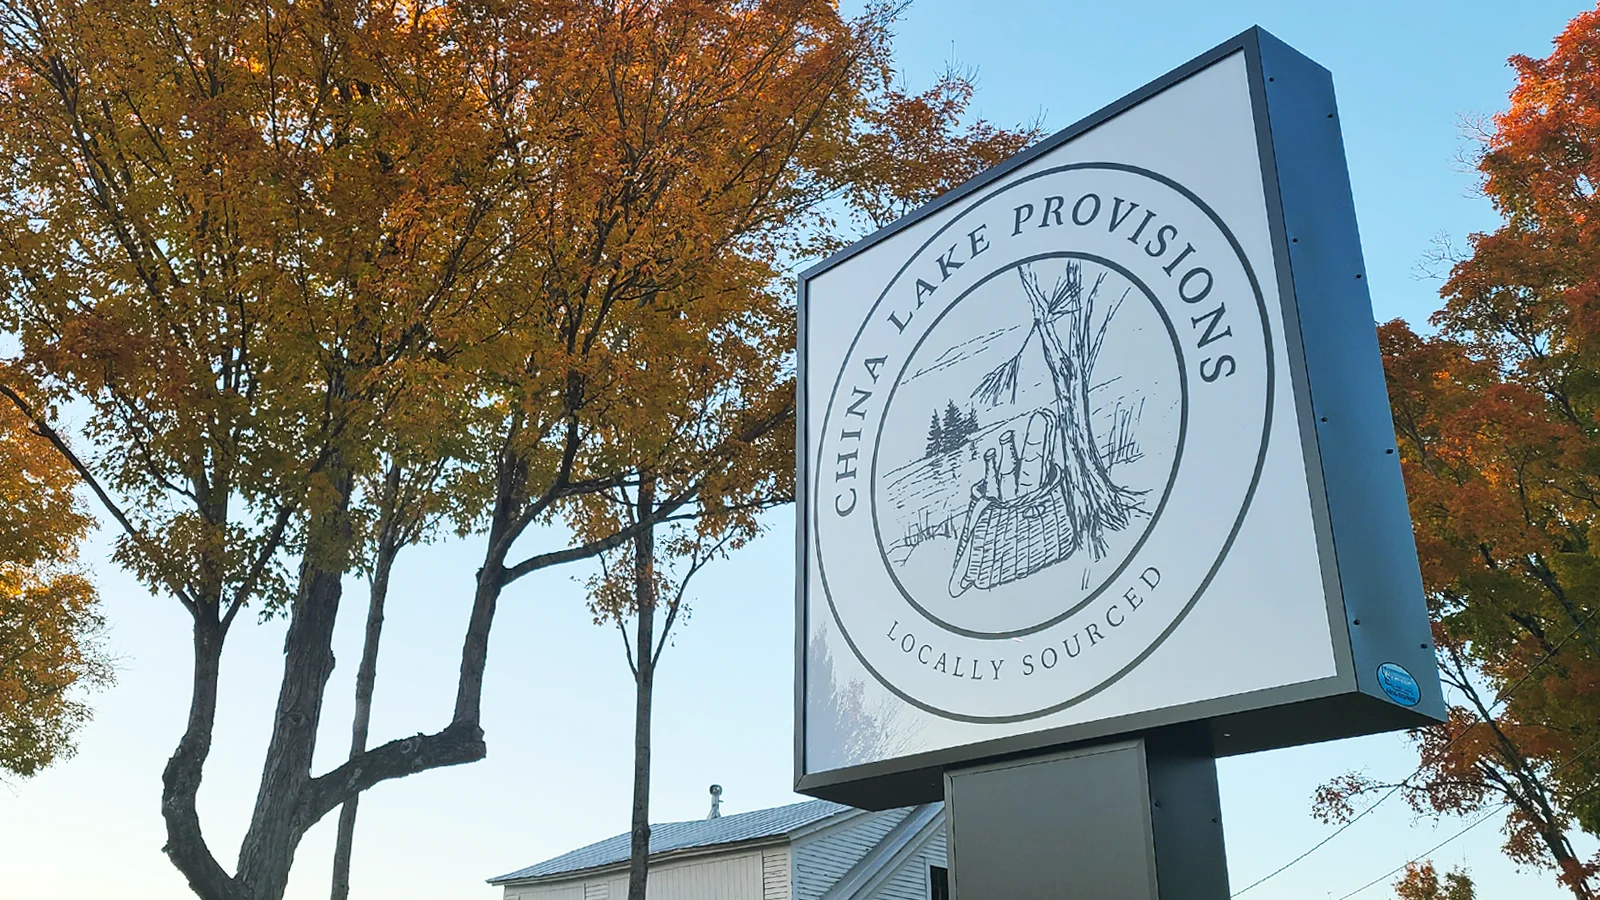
column 1422, row 882
column 49, row 621
column 1498, row 416
column 528, row 251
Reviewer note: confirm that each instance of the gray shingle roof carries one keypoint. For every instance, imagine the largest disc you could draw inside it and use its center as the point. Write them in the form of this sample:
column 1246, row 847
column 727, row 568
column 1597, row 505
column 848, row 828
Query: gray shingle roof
column 669, row 836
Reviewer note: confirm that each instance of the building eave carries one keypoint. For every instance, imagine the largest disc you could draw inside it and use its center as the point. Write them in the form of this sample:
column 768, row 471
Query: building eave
column 655, row 859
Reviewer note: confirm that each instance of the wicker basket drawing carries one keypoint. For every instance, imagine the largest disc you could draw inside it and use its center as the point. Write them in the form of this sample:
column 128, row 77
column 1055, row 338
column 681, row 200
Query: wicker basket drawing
column 1003, row 541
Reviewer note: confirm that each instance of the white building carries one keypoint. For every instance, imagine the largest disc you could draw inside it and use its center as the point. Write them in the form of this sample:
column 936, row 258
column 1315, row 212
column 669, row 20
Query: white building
column 808, row 851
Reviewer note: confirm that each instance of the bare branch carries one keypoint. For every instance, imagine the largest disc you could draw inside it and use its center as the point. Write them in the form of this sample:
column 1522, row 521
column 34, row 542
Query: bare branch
column 144, row 544
column 456, row 744
column 699, row 562
column 627, row 646
column 585, row 551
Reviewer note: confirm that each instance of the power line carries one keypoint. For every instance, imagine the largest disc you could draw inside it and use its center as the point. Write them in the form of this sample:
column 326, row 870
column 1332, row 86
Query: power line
column 1470, row 825
column 1320, row 844
column 1501, row 698
column 1506, row 694
column 1430, row 851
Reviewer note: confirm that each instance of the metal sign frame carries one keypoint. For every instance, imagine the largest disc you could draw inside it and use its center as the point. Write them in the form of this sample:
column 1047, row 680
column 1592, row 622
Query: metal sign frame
column 1363, row 530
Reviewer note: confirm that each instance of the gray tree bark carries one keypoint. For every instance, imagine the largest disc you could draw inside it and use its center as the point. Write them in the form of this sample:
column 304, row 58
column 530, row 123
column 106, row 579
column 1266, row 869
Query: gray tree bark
column 367, row 674
column 644, row 591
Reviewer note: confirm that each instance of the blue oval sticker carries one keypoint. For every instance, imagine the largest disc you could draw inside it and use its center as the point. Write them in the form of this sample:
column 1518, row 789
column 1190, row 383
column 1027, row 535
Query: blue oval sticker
column 1399, row 685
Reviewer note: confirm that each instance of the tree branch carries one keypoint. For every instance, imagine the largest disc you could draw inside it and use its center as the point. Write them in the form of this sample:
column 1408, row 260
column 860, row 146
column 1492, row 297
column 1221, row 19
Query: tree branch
column 144, row 544
column 627, row 647
column 457, row 744
column 699, row 562
column 585, row 551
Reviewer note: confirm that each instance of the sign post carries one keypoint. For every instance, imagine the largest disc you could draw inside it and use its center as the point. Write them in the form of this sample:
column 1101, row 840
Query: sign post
column 1131, row 820
column 1098, row 482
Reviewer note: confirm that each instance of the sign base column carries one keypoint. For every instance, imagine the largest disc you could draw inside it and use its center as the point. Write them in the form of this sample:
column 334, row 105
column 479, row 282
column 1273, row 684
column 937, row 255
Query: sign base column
column 1134, row 820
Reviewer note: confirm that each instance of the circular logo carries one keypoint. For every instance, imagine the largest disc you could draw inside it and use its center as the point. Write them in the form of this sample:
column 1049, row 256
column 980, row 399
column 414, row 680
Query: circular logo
column 1399, row 685
column 1042, row 441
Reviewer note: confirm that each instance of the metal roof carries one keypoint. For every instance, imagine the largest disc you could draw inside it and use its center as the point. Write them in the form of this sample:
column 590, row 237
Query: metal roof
column 670, row 836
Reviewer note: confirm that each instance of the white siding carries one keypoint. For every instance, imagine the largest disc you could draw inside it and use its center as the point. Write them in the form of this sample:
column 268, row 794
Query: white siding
column 805, row 870
column 910, row 882
column 935, row 851
column 910, row 879
column 731, row 877
column 725, row 878
column 567, row 891
column 822, row 859
column 775, row 874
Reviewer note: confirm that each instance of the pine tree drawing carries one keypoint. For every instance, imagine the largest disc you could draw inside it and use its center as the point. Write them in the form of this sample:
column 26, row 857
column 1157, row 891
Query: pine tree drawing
column 935, row 438
column 954, row 424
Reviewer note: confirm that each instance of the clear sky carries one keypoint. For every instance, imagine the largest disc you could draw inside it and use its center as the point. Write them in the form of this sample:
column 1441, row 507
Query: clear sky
column 558, row 703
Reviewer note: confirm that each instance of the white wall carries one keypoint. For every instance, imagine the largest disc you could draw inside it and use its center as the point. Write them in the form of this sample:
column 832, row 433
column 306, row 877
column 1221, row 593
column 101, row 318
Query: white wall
column 760, row 874
column 822, row 859
column 910, row 880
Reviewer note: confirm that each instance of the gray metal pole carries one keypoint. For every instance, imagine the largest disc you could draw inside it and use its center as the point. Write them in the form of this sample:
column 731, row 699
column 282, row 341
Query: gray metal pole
column 1133, row 820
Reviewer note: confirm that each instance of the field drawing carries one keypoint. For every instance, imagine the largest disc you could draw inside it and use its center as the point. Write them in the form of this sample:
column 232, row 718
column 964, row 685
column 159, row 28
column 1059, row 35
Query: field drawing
column 1033, row 445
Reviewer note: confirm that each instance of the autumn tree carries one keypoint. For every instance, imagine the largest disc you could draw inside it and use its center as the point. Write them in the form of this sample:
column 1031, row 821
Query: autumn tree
column 50, row 623
column 295, row 261
column 1496, row 416
column 1421, row 881
column 679, row 519
column 235, row 234
column 650, row 574
column 1507, row 586
column 407, row 499
column 642, row 591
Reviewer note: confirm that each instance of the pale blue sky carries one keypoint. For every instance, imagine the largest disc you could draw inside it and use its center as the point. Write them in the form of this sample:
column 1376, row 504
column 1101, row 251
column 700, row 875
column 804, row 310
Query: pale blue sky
column 558, row 703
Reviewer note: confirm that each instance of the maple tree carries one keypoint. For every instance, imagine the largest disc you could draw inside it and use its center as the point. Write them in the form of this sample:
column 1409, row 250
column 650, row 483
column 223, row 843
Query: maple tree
column 49, row 611
column 408, row 501
column 907, row 149
column 1421, row 881
column 298, row 263
column 1497, row 419
column 639, row 581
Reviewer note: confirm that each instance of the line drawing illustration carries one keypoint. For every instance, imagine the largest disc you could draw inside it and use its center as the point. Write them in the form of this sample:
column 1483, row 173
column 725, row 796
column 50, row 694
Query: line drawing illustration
column 1035, row 448
column 1039, row 505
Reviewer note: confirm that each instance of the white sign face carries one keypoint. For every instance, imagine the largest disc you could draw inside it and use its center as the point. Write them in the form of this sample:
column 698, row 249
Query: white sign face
column 1054, row 467
column 1045, row 435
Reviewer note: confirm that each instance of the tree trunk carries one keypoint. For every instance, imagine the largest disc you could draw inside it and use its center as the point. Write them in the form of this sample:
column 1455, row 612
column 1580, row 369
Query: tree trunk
column 180, row 781
column 1095, row 503
column 644, row 587
column 1534, row 803
column 366, row 678
column 1568, row 864
column 280, row 819
column 1522, row 782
